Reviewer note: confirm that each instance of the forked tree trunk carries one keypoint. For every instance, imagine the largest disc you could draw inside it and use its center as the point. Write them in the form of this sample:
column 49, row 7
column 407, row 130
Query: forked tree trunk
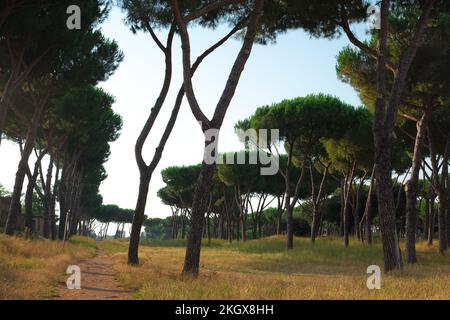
column 368, row 209
column 316, row 201
column 32, row 178
column 348, row 186
column 192, row 258
column 14, row 208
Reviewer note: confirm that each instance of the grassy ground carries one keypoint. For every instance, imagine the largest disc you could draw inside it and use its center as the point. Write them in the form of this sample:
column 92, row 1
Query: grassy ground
column 264, row 269
column 32, row 269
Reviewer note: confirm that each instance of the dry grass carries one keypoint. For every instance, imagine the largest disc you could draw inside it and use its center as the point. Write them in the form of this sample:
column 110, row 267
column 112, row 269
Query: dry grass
column 31, row 269
column 263, row 269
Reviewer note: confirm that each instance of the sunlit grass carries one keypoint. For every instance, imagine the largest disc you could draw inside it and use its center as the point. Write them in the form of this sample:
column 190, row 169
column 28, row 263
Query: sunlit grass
column 265, row 269
column 31, row 269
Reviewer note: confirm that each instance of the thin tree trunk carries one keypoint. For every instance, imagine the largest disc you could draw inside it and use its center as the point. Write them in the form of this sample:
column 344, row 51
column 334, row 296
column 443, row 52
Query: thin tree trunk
column 53, row 204
column 411, row 191
column 47, row 200
column 432, row 220
column 348, row 184
column 368, row 209
column 138, row 220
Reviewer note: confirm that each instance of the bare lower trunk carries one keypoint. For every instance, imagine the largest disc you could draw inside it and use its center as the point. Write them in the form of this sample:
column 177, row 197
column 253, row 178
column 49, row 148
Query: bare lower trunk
column 138, row 220
column 368, row 209
column 386, row 209
column 442, row 223
column 14, row 209
column 411, row 192
column 29, row 203
column 348, row 186
column 426, row 222
column 315, row 224
column 47, row 201
column 53, row 205
column 199, row 207
column 290, row 225
column 431, row 224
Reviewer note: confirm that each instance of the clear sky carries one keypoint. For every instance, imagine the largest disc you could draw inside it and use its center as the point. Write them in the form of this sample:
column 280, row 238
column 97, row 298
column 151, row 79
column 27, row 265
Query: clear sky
column 296, row 65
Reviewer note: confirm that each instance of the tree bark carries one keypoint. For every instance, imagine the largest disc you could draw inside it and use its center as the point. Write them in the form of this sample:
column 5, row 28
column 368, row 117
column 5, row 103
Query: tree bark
column 432, row 219
column 411, row 191
column 138, row 220
column 316, row 201
column 199, row 206
column 47, row 200
column 348, row 186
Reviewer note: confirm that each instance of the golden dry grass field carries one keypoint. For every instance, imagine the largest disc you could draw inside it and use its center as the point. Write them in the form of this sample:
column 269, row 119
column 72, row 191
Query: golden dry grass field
column 264, row 269
column 32, row 269
column 257, row 269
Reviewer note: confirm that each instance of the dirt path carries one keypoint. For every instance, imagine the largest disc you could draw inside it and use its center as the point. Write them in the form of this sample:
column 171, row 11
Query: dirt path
column 97, row 281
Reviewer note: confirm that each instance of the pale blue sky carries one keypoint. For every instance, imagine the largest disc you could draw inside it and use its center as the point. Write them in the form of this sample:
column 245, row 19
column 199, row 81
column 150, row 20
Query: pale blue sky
column 296, row 65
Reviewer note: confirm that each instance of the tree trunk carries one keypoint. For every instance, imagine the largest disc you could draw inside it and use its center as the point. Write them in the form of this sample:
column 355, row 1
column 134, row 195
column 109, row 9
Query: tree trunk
column 47, row 201
column 280, row 215
column 138, row 220
column 432, row 220
column 260, row 231
column 348, row 186
column 368, row 209
column 341, row 212
column 442, row 223
column 29, row 198
column 386, row 209
column 427, row 219
column 14, row 208
column 53, row 205
column 199, row 207
column 411, row 191
column 255, row 226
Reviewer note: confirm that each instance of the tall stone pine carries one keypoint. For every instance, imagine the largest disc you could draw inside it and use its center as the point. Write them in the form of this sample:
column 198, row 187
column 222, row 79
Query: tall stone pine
column 147, row 15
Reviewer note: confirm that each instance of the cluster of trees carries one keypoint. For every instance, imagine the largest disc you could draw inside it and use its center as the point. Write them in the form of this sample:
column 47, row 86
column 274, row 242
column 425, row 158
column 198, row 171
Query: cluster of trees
column 423, row 113
column 52, row 108
column 327, row 167
column 387, row 60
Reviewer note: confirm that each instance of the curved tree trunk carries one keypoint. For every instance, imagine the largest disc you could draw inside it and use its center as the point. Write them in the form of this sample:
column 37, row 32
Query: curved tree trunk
column 138, row 220
column 14, row 209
